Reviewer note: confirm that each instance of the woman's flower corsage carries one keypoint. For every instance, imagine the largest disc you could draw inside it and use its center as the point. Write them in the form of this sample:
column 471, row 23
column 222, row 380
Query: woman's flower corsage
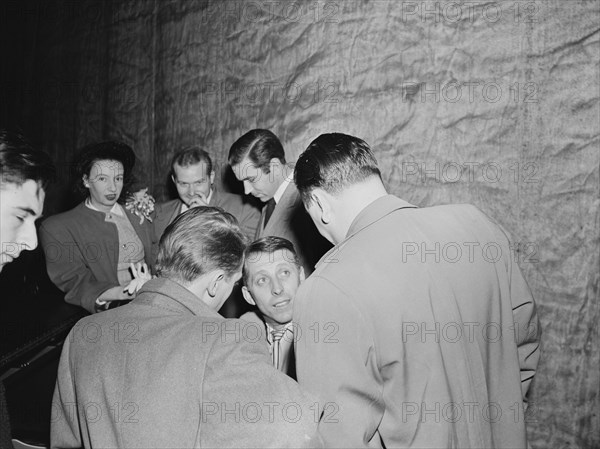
column 141, row 204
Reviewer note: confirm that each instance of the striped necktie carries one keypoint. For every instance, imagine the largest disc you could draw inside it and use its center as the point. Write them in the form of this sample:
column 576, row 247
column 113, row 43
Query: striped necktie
column 277, row 336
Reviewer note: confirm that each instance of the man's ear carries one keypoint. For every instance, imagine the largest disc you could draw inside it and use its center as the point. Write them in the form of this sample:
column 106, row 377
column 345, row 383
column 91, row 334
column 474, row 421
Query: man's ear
column 212, row 177
column 173, row 179
column 302, row 275
column 215, row 283
column 248, row 296
column 275, row 166
column 323, row 203
column 274, row 162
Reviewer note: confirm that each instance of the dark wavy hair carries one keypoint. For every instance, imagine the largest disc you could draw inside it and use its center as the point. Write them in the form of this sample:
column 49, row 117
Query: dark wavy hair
column 20, row 162
column 110, row 150
column 260, row 145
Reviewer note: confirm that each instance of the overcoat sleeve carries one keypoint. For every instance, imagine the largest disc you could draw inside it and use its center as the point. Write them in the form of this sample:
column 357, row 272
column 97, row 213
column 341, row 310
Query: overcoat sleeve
column 526, row 324
column 64, row 424
column 248, row 403
column 336, row 361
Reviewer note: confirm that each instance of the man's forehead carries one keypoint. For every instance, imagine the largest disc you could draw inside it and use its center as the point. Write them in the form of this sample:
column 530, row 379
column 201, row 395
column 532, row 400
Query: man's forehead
column 198, row 169
column 264, row 260
column 29, row 196
column 244, row 169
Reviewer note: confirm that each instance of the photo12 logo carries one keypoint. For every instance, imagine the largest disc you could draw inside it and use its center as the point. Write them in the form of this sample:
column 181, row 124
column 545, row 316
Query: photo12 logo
column 452, row 12
column 269, row 412
column 469, row 172
column 481, row 91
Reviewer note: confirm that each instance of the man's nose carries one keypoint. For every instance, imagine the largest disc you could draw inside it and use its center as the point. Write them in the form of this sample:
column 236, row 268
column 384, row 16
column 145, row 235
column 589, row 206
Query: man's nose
column 247, row 187
column 28, row 237
column 276, row 287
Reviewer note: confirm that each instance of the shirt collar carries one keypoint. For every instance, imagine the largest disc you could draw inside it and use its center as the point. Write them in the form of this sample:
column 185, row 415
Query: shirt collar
column 116, row 209
column 270, row 329
column 281, row 189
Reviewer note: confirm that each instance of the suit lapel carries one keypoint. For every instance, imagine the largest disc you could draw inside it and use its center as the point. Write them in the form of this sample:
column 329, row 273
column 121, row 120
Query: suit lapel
column 168, row 212
column 281, row 211
column 259, row 229
column 175, row 212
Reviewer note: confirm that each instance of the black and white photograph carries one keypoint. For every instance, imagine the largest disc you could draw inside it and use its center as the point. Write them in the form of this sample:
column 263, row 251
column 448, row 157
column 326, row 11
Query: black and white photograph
column 299, row 223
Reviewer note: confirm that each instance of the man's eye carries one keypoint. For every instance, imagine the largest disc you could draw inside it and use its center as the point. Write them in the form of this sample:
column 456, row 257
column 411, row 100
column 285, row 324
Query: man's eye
column 20, row 218
column 261, row 281
column 285, row 273
column 251, row 180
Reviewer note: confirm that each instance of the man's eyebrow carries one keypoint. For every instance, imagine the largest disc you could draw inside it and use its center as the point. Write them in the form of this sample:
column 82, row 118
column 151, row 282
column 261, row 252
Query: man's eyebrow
column 27, row 210
column 204, row 178
column 258, row 273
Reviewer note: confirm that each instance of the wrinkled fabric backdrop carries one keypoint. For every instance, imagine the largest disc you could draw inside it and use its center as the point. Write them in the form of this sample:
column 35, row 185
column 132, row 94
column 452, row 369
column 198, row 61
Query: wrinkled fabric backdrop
column 490, row 103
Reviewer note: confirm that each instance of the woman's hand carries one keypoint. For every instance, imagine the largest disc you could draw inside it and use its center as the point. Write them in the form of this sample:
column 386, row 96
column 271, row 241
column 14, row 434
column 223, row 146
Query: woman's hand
column 141, row 275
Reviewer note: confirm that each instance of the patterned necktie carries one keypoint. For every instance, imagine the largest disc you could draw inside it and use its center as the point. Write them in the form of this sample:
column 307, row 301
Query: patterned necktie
column 277, row 336
column 269, row 208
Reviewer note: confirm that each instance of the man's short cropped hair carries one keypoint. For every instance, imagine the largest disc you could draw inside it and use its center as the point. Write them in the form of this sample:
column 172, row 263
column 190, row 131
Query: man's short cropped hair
column 191, row 156
column 20, row 162
column 260, row 145
column 333, row 162
column 199, row 241
column 267, row 245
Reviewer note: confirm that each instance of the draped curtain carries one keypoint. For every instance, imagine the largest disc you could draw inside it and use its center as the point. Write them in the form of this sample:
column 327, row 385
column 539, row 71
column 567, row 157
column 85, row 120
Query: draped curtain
column 490, row 103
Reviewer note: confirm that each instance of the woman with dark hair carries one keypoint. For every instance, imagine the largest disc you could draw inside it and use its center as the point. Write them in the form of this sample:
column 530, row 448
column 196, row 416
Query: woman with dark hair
column 98, row 253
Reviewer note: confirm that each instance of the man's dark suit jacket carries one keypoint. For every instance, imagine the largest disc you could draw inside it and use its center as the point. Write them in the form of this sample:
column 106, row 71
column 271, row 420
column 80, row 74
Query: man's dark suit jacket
column 246, row 214
column 291, row 221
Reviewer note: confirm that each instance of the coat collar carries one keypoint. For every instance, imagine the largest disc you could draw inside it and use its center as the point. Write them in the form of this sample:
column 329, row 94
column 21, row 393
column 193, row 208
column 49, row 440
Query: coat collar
column 287, row 201
column 170, row 294
column 374, row 212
